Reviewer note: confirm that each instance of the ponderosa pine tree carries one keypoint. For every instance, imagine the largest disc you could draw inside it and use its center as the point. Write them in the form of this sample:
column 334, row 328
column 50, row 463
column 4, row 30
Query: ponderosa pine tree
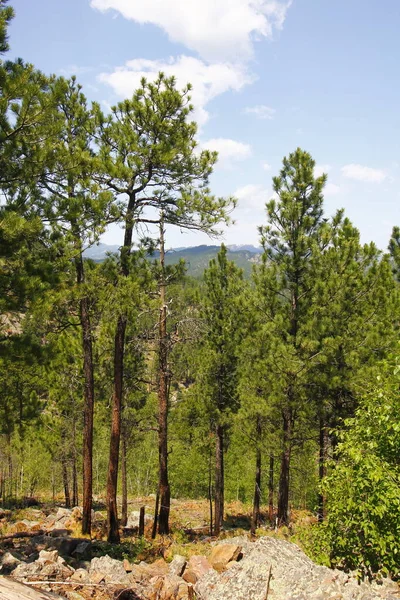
column 292, row 243
column 147, row 147
column 223, row 283
column 73, row 205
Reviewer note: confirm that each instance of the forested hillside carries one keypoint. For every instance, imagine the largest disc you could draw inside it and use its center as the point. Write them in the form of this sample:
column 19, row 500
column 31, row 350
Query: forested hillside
column 134, row 375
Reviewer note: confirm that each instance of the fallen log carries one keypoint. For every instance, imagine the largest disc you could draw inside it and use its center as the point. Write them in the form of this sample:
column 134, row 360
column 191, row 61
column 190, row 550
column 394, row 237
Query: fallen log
column 13, row 590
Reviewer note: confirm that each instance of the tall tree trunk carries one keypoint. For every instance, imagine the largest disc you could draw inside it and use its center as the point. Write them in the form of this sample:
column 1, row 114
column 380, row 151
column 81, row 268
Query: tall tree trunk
column 283, row 500
column 257, row 488
column 124, row 510
column 119, row 356
column 321, row 466
column 10, row 467
column 75, row 495
column 163, row 381
column 112, row 480
column 88, row 409
column 210, row 495
column 65, row 481
column 219, row 480
column 271, row 489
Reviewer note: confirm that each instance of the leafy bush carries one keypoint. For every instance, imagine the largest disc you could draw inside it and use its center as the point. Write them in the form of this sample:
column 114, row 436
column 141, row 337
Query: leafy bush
column 363, row 489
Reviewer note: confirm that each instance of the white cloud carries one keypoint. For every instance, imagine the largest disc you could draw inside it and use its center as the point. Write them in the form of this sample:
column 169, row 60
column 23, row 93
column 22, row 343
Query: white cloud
column 266, row 166
column 208, row 81
column 321, row 169
column 229, row 151
column 261, row 111
column 252, row 197
column 217, row 30
column 365, row 174
column 331, row 189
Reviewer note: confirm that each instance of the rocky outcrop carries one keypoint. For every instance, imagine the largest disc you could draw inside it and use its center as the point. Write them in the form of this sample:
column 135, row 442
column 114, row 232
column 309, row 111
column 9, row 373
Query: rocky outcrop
column 236, row 569
column 274, row 568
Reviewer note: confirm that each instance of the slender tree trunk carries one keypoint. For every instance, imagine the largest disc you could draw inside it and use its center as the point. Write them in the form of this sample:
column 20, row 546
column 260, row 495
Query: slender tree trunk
column 112, row 481
column 53, row 484
column 75, row 496
column 88, row 409
column 163, row 381
column 322, row 466
column 210, row 495
column 65, row 482
column 10, row 467
column 119, row 356
column 124, row 511
column 219, row 480
column 154, row 530
column 283, row 500
column 271, row 490
column 257, row 488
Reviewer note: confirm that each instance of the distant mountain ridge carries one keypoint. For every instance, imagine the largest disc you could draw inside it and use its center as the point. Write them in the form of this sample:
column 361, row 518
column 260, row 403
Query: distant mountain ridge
column 197, row 258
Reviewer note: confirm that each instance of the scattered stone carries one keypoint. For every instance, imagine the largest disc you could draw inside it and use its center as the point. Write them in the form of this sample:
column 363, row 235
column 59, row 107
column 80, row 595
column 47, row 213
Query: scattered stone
column 62, row 512
column 56, row 572
column 141, row 572
column 177, row 565
column 25, row 571
column 96, row 577
column 8, row 563
column 169, row 587
column 83, row 551
column 196, row 568
column 127, row 565
column 223, row 554
column 81, row 576
column 48, row 556
column 112, row 570
column 133, row 519
column 76, row 513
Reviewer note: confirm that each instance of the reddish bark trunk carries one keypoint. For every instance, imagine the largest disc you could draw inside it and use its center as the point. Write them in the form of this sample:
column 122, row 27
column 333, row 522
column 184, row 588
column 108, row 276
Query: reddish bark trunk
column 219, row 480
column 271, row 490
column 124, row 508
column 283, row 500
column 163, row 382
column 257, row 488
column 88, row 410
column 112, row 480
column 119, row 355
column 322, row 468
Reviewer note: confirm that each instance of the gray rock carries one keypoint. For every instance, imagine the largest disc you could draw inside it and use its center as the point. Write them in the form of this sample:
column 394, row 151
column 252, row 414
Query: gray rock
column 8, row 563
column 27, row 571
column 133, row 519
column 62, row 513
column 83, row 551
column 287, row 573
column 81, row 576
column 177, row 565
column 48, row 556
column 111, row 569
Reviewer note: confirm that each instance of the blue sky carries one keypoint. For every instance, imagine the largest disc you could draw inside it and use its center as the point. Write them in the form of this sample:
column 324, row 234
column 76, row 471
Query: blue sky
column 268, row 76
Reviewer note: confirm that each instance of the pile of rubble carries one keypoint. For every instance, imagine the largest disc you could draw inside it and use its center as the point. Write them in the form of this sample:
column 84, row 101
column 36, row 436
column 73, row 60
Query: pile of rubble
column 236, row 569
